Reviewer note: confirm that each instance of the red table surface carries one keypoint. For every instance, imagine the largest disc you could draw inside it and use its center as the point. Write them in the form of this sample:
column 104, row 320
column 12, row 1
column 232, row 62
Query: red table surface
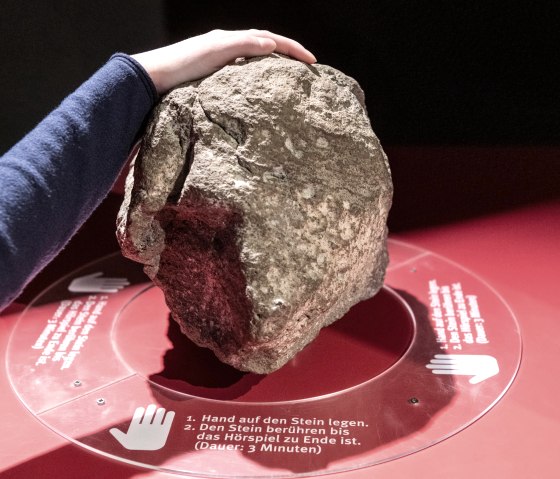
column 516, row 252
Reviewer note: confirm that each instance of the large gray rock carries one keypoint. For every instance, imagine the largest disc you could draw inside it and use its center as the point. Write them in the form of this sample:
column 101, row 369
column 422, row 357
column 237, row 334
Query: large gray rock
column 258, row 204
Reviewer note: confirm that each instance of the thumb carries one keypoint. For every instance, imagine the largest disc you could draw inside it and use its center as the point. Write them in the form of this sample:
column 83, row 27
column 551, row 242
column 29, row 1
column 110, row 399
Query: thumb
column 118, row 435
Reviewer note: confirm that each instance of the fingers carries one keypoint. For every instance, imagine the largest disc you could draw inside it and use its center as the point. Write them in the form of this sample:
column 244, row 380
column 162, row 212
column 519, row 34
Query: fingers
column 262, row 42
column 287, row 46
column 149, row 414
column 168, row 419
column 118, row 434
column 138, row 414
column 153, row 415
column 226, row 46
column 202, row 55
column 231, row 47
column 442, row 366
column 93, row 275
column 158, row 418
column 448, row 372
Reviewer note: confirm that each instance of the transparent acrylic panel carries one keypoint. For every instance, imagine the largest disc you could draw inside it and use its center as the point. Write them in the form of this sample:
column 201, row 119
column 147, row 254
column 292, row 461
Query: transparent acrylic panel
column 423, row 359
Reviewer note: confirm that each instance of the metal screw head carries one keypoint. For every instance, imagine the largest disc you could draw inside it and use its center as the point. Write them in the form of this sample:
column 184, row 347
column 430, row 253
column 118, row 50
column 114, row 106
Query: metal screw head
column 100, row 402
column 77, row 383
column 414, row 400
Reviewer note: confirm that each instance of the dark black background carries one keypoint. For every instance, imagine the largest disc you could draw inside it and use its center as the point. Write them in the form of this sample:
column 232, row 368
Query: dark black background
column 477, row 80
column 434, row 71
column 463, row 95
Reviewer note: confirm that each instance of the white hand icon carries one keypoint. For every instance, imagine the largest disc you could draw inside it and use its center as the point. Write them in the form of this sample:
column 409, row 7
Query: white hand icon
column 479, row 366
column 94, row 283
column 147, row 431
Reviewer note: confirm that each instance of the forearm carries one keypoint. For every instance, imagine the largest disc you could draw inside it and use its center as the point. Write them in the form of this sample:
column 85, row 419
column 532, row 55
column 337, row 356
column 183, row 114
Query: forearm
column 53, row 179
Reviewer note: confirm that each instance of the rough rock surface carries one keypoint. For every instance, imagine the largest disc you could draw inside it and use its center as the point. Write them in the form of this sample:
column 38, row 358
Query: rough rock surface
column 258, row 204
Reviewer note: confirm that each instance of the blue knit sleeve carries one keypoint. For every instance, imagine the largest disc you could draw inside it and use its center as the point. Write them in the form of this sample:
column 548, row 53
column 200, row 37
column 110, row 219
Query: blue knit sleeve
column 53, row 179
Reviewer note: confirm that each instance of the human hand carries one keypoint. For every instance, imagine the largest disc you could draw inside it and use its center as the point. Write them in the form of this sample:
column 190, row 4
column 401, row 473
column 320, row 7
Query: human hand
column 147, row 431
column 479, row 366
column 96, row 283
column 202, row 55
